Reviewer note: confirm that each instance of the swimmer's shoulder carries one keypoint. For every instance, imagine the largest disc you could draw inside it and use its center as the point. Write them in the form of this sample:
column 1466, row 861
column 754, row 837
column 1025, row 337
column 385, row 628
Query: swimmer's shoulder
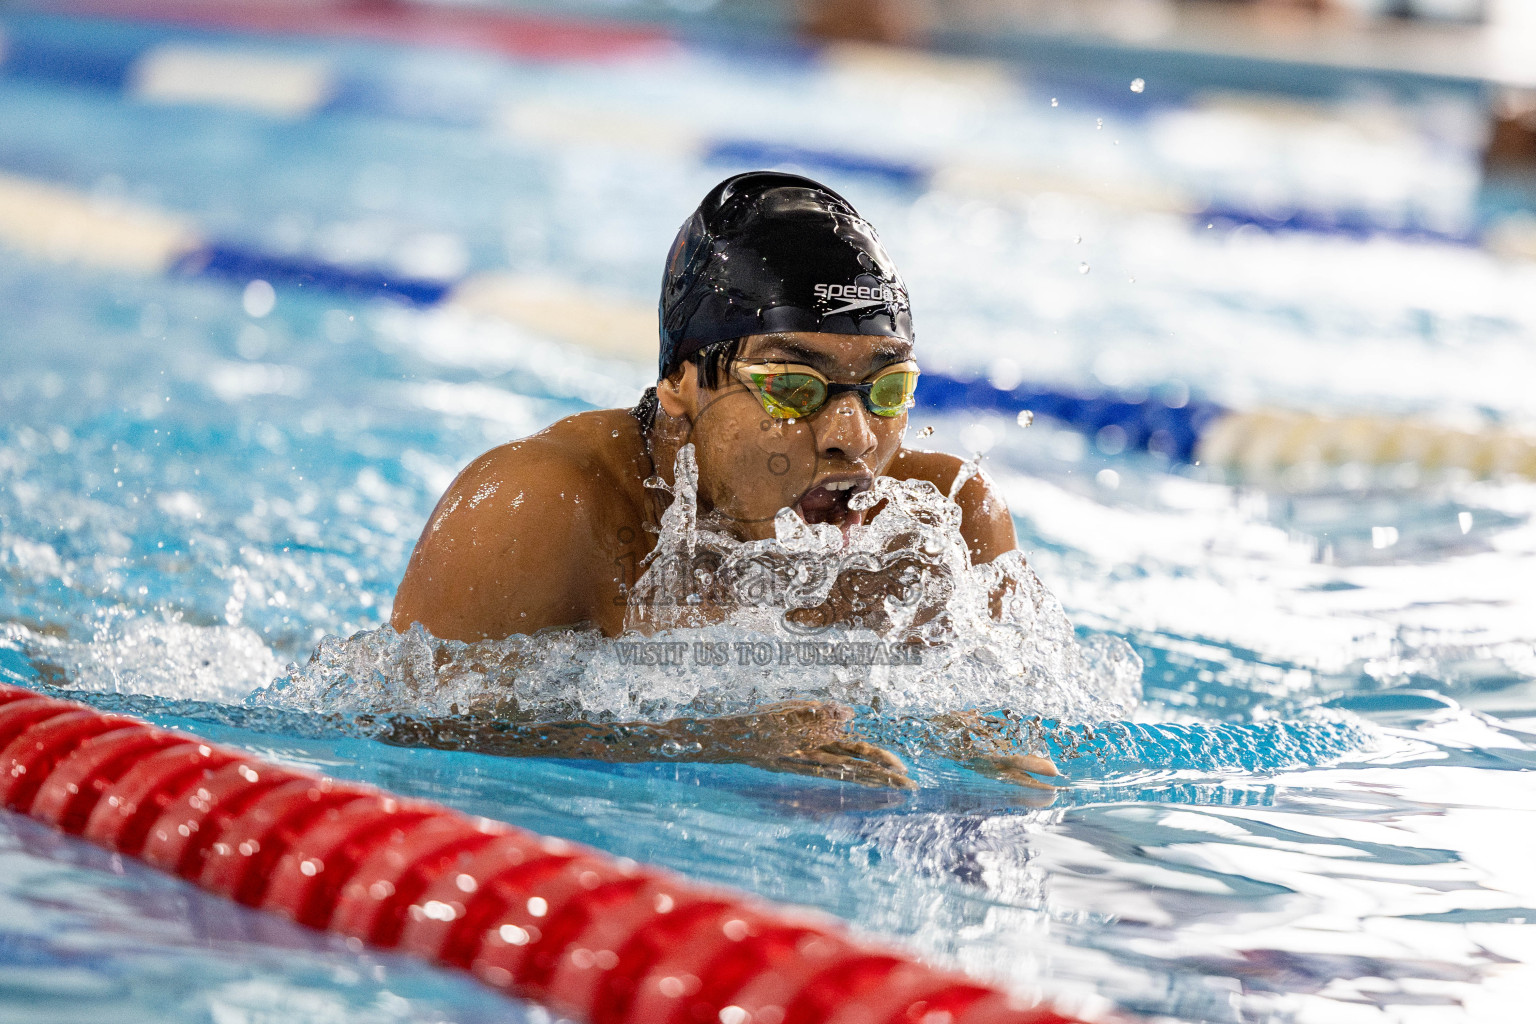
column 553, row 492
column 579, row 466
column 514, row 543
column 984, row 518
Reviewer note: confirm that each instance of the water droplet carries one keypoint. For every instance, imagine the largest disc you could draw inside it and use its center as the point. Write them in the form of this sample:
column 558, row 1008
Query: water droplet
column 1099, row 123
column 925, row 432
column 1026, row 417
column 1138, row 84
column 790, row 421
column 1133, row 280
column 1082, row 268
column 615, row 433
column 1053, row 101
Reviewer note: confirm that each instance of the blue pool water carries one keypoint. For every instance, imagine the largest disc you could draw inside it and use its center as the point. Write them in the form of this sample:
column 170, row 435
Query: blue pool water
column 1319, row 811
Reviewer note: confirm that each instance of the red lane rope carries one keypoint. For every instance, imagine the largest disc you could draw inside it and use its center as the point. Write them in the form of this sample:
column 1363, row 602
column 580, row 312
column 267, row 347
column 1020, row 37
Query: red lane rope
column 594, row 937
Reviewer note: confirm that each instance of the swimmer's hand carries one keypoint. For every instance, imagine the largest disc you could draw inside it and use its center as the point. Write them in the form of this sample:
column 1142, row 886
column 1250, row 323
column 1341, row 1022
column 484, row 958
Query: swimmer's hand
column 812, row 738
column 1019, row 769
column 802, row 737
column 974, row 742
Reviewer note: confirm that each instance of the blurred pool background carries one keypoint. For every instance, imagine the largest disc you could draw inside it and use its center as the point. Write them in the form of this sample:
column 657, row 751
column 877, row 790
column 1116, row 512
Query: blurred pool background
column 271, row 273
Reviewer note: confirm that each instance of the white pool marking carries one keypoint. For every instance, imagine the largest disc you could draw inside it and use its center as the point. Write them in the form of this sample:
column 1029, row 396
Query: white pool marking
column 61, row 225
column 561, row 310
column 563, row 122
column 289, row 87
column 876, row 66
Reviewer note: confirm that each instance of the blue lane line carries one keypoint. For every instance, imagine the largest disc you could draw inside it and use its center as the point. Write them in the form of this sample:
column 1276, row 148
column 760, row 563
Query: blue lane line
column 233, row 263
column 1351, row 223
column 751, row 153
column 32, row 53
column 1147, row 424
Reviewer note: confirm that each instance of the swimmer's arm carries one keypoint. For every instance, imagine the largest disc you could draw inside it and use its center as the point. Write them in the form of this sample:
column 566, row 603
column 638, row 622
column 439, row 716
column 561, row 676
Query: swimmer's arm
column 984, row 519
column 800, row 737
column 505, row 550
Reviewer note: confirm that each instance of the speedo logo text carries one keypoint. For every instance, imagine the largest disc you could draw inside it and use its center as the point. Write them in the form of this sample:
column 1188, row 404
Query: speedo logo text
column 855, row 296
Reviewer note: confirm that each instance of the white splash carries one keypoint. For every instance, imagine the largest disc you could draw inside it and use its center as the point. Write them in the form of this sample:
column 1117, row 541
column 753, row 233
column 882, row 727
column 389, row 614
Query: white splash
column 165, row 657
column 898, row 620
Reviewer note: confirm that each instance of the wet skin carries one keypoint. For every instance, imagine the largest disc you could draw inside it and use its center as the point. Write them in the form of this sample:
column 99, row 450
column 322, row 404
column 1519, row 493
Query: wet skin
column 551, row 530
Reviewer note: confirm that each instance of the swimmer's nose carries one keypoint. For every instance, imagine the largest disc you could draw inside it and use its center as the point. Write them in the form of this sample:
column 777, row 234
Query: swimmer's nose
column 844, row 430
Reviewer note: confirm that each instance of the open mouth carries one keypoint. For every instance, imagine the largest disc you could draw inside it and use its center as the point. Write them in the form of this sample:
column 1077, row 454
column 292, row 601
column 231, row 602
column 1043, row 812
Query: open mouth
column 827, row 502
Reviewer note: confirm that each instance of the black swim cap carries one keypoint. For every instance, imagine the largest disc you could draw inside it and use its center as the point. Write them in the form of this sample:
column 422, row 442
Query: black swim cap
column 768, row 252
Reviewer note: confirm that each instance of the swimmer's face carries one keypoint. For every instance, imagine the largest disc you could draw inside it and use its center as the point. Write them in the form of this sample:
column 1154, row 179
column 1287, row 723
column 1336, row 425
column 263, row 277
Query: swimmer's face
column 753, row 464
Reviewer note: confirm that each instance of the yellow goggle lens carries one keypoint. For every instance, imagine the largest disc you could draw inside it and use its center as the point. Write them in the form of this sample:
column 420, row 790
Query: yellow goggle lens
column 790, row 394
column 891, row 394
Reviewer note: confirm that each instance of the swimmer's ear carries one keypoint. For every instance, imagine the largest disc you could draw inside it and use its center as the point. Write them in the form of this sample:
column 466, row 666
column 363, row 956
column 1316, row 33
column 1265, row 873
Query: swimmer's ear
column 678, row 393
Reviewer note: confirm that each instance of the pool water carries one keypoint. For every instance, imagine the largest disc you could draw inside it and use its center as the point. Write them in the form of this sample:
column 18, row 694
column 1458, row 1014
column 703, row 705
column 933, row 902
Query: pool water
column 1318, row 811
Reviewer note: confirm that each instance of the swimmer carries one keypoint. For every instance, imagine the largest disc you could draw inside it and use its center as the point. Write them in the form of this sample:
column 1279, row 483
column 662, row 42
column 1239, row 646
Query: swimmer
column 787, row 361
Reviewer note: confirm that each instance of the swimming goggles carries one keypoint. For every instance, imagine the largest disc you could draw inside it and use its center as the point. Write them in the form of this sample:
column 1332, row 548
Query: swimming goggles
column 793, row 391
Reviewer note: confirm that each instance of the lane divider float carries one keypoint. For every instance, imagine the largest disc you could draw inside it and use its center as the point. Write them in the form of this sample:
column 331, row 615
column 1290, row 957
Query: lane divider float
column 276, row 84
column 600, row 939
column 1261, row 446
column 187, row 68
column 564, row 123
column 511, row 33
